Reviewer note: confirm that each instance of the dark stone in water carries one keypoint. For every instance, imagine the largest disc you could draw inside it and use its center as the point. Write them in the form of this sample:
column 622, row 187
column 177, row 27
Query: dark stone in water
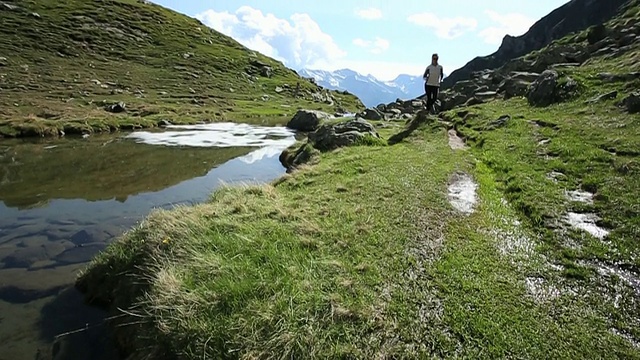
column 15, row 295
column 87, row 236
column 80, row 254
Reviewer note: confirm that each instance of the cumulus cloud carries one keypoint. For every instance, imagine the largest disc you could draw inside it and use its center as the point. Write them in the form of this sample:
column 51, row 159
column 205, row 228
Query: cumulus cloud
column 376, row 46
column 369, row 14
column 298, row 41
column 446, row 28
column 513, row 24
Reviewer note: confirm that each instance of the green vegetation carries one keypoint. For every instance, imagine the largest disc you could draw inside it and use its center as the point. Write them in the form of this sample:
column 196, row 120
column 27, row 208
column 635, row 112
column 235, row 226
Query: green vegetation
column 66, row 60
column 361, row 255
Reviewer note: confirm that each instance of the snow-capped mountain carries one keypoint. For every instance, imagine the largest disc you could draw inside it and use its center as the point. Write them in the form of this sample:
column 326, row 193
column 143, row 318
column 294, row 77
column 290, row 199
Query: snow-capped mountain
column 366, row 87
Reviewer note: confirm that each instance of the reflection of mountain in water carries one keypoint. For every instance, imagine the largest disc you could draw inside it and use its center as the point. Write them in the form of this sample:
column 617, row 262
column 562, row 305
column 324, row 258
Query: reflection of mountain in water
column 99, row 169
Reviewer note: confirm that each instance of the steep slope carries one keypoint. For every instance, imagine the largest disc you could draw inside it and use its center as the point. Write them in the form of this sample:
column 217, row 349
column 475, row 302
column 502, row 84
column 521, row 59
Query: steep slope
column 63, row 62
column 616, row 42
column 574, row 16
column 367, row 88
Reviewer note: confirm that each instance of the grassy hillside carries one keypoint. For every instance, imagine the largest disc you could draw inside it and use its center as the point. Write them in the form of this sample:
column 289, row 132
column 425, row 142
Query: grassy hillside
column 61, row 62
column 363, row 254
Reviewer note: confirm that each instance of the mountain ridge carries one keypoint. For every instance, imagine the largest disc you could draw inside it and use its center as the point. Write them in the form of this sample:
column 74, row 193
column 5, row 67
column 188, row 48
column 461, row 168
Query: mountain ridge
column 576, row 15
column 367, row 88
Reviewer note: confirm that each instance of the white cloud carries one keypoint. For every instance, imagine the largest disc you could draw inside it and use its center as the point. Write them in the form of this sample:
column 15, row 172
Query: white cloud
column 369, row 14
column 512, row 24
column 298, row 41
column 446, row 28
column 376, row 46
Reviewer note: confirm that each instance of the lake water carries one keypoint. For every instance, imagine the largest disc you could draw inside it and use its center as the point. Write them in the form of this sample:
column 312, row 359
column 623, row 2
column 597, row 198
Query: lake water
column 64, row 200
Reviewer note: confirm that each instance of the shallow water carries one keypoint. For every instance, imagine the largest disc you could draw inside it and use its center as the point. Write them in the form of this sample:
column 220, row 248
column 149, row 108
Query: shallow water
column 64, row 200
column 462, row 193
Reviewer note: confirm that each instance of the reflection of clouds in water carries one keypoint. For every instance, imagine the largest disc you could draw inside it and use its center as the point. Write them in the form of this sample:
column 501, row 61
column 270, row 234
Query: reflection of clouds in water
column 265, row 152
column 219, row 135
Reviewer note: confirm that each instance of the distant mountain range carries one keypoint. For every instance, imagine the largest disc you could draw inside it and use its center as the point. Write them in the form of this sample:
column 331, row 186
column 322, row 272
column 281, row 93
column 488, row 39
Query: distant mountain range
column 366, row 87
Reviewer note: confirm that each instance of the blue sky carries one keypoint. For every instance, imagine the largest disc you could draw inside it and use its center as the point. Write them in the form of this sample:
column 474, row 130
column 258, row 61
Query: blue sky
column 379, row 37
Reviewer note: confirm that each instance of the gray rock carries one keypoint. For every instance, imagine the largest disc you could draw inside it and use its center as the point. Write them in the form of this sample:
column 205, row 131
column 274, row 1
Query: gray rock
column 500, row 122
column 372, row 114
column 452, row 100
column 632, row 103
column 80, row 254
column 567, row 89
column 4, row 61
column 628, row 39
column 116, row 108
column 473, row 101
column 523, row 75
column 486, row 94
column 90, row 235
column 513, row 87
column 596, row 33
column 417, row 104
column 603, row 97
column 9, row 7
column 279, row 89
column 164, row 123
column 329, row 137
column 266, row 71
column 542, row 91
column 307, row 120
column 25, row 257
column 395, row 112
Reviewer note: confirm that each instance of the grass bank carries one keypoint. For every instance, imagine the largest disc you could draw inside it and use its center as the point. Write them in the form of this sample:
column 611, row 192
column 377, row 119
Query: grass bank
column 358, row 256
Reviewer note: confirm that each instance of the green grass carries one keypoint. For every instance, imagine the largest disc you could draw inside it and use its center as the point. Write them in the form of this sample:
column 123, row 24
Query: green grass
column 358, row 256
column 136, row 52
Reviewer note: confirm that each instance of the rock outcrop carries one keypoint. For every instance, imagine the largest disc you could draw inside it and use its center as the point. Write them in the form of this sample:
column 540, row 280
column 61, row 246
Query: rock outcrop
column 632, row 103
column 328, row 137
column 307, row 120
column 574, row 16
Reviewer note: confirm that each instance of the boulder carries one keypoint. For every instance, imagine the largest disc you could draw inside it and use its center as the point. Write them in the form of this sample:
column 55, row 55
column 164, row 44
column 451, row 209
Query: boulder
column 307, row 120
column 329, row 137
column 473, row 101
column 395, row 112
column 372, row 114
column 523, row 75
column 486, row 95
column 596, row 33
column 632, row 103
column 567, row 88
column 513, row 87
column 3, row 61
column 452, row 100
column 116, row 108
column 542, row 91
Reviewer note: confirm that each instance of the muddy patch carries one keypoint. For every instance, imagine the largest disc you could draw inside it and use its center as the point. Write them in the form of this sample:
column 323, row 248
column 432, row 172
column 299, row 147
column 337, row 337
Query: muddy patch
column 586, row 222
column 455, row 142
column 462, row 193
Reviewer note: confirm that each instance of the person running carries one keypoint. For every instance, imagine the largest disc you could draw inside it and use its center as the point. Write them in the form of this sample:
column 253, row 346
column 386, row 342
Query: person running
column 433, row 75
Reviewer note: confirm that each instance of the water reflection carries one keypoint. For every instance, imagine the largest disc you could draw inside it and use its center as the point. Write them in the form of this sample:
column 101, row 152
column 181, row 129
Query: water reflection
column 62, row 201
